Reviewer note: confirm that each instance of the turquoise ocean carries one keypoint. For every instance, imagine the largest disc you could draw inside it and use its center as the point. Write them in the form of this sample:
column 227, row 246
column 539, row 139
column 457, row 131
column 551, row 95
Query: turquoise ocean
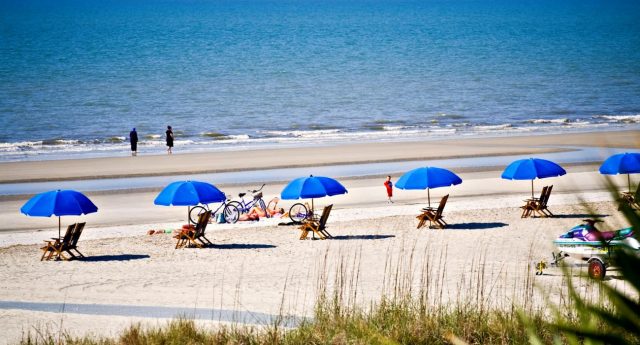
column 76, row 76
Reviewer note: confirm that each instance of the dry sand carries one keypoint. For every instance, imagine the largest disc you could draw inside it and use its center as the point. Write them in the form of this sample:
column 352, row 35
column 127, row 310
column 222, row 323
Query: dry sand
column 263, row 268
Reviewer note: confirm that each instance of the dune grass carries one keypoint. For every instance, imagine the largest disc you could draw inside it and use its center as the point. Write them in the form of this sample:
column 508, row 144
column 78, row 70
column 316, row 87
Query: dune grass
column 411, row 310
column 387, row 323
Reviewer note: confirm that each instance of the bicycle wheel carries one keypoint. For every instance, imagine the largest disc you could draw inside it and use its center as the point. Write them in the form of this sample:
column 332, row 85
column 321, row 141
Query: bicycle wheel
column 194, row 214
column 298, row 212
column 231, row 213
column 236, row 205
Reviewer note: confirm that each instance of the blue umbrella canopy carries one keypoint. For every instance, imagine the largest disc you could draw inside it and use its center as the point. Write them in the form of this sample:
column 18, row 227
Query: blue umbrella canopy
column 427, row 178
column 58, row 203
column 622, row 163
column 189, row 193
column 532, row 168
column 312, row 187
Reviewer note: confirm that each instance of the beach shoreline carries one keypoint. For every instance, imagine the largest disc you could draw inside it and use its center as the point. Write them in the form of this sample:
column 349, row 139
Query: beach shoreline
column 353, row 153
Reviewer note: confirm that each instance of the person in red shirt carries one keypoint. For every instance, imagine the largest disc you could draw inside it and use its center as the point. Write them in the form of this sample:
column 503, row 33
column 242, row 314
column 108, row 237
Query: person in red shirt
column 389, row 186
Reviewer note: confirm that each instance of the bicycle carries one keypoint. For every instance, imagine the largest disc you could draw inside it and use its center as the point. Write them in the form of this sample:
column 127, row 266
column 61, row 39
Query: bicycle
column 230, row 212
column 299, row 212
column 244, row 207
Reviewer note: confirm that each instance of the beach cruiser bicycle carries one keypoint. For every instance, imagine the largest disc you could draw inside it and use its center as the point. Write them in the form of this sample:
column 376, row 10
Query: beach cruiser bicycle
column 245, row 207
column 230, row 211
column 297, row 213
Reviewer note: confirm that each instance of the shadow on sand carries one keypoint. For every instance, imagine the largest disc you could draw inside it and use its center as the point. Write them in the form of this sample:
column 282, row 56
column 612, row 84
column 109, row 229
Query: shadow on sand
column 580, row 215
column 241, row 246
column 362, row 237
column 121, row 257
column 475, row 226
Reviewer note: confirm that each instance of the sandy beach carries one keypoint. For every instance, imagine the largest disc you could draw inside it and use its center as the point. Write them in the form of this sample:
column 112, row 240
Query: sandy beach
column 258, row 269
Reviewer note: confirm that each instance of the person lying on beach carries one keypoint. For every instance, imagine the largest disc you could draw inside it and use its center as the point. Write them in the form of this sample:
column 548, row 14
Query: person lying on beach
column 257, row 212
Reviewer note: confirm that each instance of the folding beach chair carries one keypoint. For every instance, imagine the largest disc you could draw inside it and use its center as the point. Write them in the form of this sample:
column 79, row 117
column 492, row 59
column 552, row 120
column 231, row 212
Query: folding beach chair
column 73, row 244
column 433, row 216
column 317, row 226
column 196, row 236
column 540, row 206
column 633, row 199
column 532, row 204
column 55, row 247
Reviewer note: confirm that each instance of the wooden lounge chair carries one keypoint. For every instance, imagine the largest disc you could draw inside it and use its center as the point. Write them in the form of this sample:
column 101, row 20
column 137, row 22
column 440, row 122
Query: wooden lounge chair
column 55, row 246
column 433, row 216
column 633, row 199
column 196, row 236
column 530, row 204
column 540, row 206
column 317, row 226
column 73, row 244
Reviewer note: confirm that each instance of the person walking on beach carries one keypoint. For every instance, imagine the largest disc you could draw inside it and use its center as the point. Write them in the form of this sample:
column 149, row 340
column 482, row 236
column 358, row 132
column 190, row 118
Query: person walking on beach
column 389, row 186
column 169, row 133
column 133, row 138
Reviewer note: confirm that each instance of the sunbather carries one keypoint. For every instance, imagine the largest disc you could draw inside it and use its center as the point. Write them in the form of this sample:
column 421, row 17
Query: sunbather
column 256, row 213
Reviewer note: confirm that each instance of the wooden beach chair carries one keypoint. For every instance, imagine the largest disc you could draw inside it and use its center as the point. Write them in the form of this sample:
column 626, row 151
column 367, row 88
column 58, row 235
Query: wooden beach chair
column 199, row 232
column 530, row 204
column 55, row 247
column 633, row 199
column 196, row 236
column 317, row 226
column 541, row 207
column 433, row 216
column 73, row 244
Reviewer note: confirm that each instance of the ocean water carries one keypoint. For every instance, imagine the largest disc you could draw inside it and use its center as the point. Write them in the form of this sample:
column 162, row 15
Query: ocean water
column 75, row 76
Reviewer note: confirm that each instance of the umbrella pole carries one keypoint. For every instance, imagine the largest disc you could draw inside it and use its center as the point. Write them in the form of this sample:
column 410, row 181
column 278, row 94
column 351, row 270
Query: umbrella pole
column 531, row 189
column 312, row 206
column 629, row 182
column 188, row 211
column 59, row 238
column 429, row 196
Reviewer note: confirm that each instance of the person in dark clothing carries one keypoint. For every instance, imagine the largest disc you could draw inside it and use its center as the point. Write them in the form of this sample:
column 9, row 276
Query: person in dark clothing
column 169, row 133
column 133, row 139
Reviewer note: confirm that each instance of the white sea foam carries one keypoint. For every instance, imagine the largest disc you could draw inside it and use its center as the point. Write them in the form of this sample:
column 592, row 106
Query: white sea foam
column 620, row 118
column 493, row 127
column 314, row 133
column 394, row 128
column 546, row 121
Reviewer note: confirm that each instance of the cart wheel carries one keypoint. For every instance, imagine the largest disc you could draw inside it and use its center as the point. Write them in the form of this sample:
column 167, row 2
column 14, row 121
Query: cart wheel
column 597, row 270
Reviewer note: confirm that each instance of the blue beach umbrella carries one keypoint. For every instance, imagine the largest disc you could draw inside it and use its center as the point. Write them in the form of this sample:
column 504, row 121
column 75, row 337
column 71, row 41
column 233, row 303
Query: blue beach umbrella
column 427, row 178
column 189, row 193
column 312, row 187
column 622, row 163
column 58, row 203
column 530, row 169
